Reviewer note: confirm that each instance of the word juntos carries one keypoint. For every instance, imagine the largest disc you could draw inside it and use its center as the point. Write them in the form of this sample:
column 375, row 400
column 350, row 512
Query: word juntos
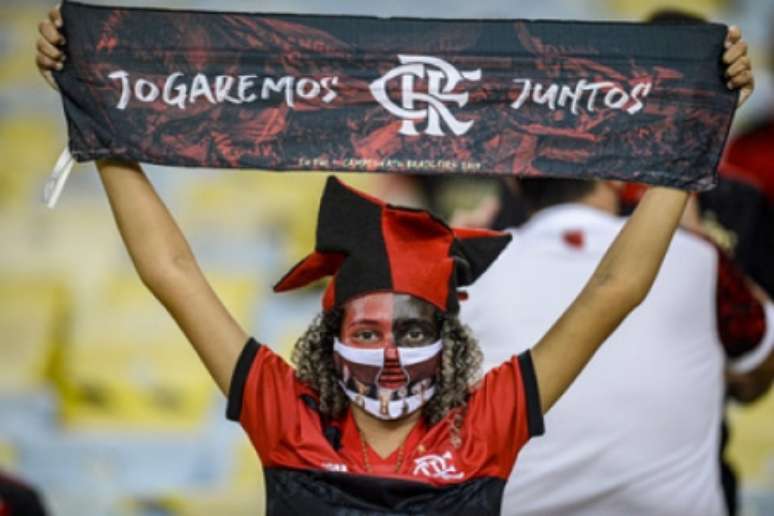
column 178, row 90
column 590, row 95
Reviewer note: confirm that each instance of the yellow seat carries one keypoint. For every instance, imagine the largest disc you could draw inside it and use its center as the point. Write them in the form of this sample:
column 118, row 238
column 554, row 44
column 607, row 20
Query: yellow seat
column 751, row 448
column 32, row 315
column 129, row 366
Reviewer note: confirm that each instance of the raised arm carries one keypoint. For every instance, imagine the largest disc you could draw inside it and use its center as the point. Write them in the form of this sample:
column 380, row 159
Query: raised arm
column 166, row 265
column 620, row 283
column 159, row 251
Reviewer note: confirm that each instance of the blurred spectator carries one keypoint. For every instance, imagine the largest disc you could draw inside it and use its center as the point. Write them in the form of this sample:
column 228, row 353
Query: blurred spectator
column 18, row 499
column 669, row 357
column 735, row 216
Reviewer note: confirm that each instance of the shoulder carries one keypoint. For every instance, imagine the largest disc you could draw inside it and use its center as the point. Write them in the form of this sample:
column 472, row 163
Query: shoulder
column 260, row 372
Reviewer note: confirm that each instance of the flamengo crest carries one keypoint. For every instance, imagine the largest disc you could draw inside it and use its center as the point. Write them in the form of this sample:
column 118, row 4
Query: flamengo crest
column 437, row 466
column 416, row 106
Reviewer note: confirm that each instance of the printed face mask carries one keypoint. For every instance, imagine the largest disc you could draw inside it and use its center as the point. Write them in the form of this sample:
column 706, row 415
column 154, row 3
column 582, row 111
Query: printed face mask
column 389, row 382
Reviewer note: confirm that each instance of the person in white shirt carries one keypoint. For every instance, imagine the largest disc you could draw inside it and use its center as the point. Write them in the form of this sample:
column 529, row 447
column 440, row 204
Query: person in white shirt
column 639, row 432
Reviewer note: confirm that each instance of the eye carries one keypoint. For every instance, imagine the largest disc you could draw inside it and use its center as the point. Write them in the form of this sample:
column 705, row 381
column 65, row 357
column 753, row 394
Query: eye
column 366, row 335
column 415, row 336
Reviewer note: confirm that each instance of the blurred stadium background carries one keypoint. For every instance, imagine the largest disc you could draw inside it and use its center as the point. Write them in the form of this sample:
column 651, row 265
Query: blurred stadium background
column 103, row 406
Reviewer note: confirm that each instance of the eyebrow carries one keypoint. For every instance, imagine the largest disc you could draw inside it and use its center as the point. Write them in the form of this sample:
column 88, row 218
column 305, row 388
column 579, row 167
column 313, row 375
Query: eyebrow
column 402, row 320
column 409, row 320
column 364, row 321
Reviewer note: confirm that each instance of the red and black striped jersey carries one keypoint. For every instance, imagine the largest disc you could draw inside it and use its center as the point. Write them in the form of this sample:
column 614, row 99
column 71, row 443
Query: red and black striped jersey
column 316, row 465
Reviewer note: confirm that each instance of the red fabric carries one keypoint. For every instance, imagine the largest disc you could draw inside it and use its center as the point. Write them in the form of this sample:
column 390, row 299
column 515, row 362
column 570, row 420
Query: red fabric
column 381, row 247
column 465, row 233
column 752, row 155
column 740, row 316
column 418, row 252
column 631, row 193
column 287, row 433
column 315, row 266
column 4, row 509
column 574, row 238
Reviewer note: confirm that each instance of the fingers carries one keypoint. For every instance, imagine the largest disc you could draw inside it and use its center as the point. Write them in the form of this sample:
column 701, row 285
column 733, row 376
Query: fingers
column 45, row 63
column 49, row 50
column 738, row 66
column 739, row 70
column 742, row 79
column 743, row 96
column 49, row 55
column 733, row 35
column 734, row 52
column 50, row 33
column 49, row 79
column 55, row 16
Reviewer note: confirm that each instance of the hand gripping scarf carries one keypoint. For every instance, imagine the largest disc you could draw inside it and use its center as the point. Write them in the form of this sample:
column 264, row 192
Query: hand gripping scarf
column 639, row 102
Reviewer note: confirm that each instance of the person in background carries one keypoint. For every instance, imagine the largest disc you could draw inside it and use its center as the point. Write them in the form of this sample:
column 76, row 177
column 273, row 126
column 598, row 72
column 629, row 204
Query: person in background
column 639, row 432
column 19, row 499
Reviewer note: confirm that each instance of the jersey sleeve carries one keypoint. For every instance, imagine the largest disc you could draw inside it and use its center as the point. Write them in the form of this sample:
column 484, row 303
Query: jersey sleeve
column 506, row 408
column 263, row 397
column 744, row 322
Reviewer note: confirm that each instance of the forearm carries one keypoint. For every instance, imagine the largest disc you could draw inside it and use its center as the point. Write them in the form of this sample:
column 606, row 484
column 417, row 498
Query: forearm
column 154, row 241
column 167, row 266
column 619, row 283
column 630, row 265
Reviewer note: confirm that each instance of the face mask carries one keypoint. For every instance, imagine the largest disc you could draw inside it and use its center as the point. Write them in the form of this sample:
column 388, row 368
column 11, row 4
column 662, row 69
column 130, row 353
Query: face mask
column 391, row 382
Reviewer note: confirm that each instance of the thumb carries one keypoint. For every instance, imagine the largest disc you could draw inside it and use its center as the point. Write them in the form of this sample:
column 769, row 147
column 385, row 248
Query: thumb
column 49, row 77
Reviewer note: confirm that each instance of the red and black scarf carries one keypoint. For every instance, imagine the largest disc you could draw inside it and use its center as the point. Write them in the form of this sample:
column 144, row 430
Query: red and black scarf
column 640, row 102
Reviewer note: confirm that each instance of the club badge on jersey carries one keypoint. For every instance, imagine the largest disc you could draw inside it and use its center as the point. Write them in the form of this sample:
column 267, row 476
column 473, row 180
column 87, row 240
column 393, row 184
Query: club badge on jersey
column 390, row 382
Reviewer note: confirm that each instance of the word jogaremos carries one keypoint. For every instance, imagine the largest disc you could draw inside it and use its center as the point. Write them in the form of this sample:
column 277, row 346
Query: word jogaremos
column 639, row 102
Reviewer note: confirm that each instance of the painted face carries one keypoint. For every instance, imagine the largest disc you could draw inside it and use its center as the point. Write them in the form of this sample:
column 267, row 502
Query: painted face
column 388, row 354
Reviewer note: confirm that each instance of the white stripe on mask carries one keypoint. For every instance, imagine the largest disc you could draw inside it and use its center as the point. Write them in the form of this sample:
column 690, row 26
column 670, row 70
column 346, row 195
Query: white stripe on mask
column 375, row 357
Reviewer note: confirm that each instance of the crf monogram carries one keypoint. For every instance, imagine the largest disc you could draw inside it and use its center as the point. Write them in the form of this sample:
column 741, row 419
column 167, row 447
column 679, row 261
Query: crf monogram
column 437, row 466
column 416, row 106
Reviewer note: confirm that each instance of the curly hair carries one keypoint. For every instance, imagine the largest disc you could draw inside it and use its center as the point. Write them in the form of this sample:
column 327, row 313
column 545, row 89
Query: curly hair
column 460, row 369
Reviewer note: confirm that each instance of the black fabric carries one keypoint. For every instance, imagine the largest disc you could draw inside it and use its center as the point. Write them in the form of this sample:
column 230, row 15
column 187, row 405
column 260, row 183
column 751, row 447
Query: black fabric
column 472, row 257
column 560, row 98
column 349, row 224
column 480, row 253
column 21, row 500
column 236, row 390
column 728, row 479
column 740, row 219
column 460, row 275
column 513, row 209
column 331, row 432
column 323, row 493
column 534, row 410
column 362, row 242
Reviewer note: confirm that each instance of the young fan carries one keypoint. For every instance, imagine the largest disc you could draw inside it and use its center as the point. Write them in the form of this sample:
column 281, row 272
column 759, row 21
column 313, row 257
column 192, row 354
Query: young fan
column 384, row 413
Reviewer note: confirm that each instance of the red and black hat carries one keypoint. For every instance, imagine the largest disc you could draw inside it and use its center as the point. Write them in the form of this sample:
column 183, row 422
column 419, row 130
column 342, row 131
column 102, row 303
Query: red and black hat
column 368, row 245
